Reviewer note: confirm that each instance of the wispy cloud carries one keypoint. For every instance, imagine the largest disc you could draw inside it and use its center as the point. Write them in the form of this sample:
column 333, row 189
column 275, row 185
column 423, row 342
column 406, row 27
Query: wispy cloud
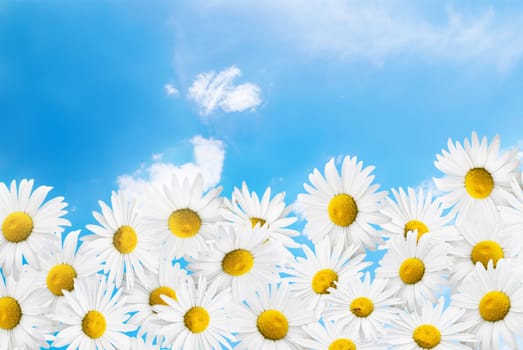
column 212, row 91
column 209, row 155
column 365, row 30
column 170, row 90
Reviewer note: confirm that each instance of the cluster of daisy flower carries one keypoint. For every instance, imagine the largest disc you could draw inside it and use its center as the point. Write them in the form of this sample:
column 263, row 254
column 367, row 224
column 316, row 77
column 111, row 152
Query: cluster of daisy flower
column 183, row 268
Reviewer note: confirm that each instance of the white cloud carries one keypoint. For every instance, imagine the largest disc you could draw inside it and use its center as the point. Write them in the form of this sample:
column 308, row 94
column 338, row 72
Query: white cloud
column 212, row 91
column 170, row 90
column 209, row 155
column 428, row 185
column 365, row 30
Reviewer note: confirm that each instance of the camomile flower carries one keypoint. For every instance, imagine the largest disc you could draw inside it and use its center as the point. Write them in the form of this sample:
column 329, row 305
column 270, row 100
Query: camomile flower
column 93, row 317
column 411, row 211
column 512, row 213
column 482, row 243
column 145, row 294
column 271, row 319
column 361, row 308
column 241, row 259
column 61, row 269
column 330, row 336
column 345, row 207
column 28, row 224
column 312, row 276
column 181, row 215
column 139, row 344
column 272, row 214
column 199, row 317
column 477, row 175
column 434, row 327
column 23, row 308
column 493, row 300
column 121, row 241
column 419, row 268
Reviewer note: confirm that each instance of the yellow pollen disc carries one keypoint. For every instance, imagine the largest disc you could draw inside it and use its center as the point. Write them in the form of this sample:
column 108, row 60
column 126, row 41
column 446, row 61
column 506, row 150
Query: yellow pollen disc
column 342, row 344
column 237, row 262
column 342, row 210
column 184, row 223
column 196, row 319
column 10, row 313
column 324, row 279
column 60, row 277
column 479, row 183
column 17, row 226
column 255, row 221
column 416, row 225
column 426, row 336
column 494, row 306
column 125, row 239
column 412, row 270
column 485, row 251
column 94, row 324
column 362, row 307
column 272, row 324
column 155, row 299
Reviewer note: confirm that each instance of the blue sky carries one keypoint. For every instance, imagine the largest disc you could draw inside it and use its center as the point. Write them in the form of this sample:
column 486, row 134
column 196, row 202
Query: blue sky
column 94, row 92
column 84, row 98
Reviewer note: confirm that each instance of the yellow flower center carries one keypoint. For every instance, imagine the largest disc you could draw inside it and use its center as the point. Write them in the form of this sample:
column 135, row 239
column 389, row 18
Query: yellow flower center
column 17, row 226
column 196, row 319
column 237, row 262
column 255, row 221
column 272, row 324
column 184, row 223
column 94, row 324
column 479, row 183
column 412, row 270
column 324, row 279
column 416, row 225
column 362, row 307
column 10, row 313
column 342, row 209
column 494, row 306
column 427, row 336
column 60, row 277
column 155, row 299
column 485, row 251
column 125, row 239
column 342, row 344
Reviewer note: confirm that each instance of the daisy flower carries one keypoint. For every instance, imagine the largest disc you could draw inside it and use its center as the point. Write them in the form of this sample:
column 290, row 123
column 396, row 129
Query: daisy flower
column 28, row 224
column 23, row 308
column 331, row 336
column 146, row 294
column 411, row 211
column 512, row 213
column 247, row 208
column 271, row 319
column 477, row 176
column 182, row 215
column 241, row 259
column 481, row 243
column 493, row 300
column 93, row 317
column 417, row 267
column 199, row 318
column 361, row 308
column 343, row 207
column 435, row 327
column 65, row 265
column 139, row 344
column 121, row 241
column 312, row 276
